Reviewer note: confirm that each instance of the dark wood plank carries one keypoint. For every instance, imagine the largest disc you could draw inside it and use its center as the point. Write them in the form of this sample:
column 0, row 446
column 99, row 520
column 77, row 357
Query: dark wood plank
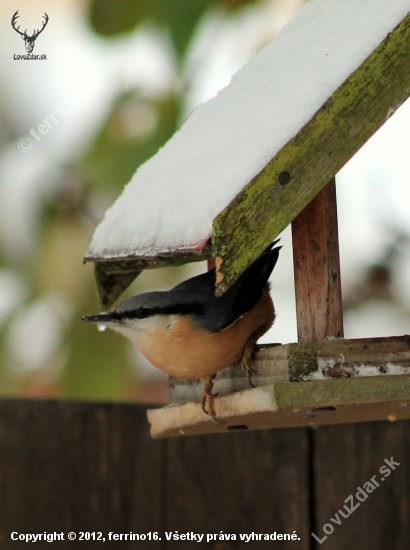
column 317, row 269
column 348, row 456
column 240, row 483
column 78, row 467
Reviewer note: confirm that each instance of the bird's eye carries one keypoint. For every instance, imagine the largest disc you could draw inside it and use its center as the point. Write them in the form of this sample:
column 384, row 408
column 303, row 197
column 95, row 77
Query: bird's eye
column 142, row 313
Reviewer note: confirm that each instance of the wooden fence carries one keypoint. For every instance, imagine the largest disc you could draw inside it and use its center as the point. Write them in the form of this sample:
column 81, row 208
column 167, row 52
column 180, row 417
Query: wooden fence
column 87, row 467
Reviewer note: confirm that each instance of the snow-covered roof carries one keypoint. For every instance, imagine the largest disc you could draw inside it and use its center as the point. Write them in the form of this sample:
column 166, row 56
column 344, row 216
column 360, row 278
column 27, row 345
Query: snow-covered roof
column 246, row 163
column 173, row 198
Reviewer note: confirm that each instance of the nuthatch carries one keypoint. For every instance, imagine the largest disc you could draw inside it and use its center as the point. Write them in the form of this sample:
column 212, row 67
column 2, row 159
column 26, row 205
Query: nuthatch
column 190, row 333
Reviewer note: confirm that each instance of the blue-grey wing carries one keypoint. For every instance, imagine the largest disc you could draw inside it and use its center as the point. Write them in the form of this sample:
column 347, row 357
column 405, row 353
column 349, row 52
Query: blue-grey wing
column 219, row 312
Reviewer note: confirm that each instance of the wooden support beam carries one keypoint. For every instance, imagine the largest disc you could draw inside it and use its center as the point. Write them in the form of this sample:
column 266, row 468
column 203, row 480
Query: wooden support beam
column 316, row 263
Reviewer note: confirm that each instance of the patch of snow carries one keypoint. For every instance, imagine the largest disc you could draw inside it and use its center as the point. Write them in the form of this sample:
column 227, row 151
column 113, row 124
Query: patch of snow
column 354, row 370
column 173, row 198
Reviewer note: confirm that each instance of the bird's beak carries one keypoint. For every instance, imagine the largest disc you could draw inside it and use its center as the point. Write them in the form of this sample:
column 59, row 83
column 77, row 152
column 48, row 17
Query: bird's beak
column 102, row 319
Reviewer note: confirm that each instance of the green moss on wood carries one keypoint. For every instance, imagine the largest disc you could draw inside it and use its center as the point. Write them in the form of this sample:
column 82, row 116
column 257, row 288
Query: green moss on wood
column 384, row 389
column 302, row 360
column 346, row 121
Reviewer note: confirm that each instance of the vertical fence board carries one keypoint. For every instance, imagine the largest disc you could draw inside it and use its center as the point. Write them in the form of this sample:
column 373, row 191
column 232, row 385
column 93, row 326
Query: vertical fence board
column 240, row 483
column 348, row 456
column 77, row 467
column 93, row 467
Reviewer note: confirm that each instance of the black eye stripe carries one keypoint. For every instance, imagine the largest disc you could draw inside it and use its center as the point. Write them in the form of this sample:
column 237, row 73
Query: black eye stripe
column 140, row 313
column 177, row 309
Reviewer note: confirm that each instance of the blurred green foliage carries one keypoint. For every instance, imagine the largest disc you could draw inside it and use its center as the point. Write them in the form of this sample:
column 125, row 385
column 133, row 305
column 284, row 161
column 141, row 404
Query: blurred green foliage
column 180, row 17
column 133, row 132
column 89, row 364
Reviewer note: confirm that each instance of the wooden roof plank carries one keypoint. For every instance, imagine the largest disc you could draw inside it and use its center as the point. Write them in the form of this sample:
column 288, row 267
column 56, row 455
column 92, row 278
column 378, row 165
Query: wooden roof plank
column 276, row 195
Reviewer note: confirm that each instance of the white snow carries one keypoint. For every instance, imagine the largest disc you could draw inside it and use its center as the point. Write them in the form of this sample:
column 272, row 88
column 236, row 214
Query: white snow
column 355, row 370
column 173, row 198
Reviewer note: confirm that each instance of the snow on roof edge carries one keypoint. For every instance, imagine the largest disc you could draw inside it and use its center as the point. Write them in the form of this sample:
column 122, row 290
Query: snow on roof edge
column 148, row 253
column 177, row 193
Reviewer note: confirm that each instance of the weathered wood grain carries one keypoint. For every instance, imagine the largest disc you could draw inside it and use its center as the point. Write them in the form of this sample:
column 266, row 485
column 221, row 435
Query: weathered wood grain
column 241, row 483
column 345, row 458
column 315, row 241
column 332, row 381
column 93, row 467
column 307, row 361
column 77, row 467
column 291, row 404
column 287, row 184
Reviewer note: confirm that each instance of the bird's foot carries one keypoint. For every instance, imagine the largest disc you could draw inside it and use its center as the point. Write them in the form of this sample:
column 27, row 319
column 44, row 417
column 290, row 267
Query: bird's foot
column 249, row 371
column 247, row 361
column 207, row 401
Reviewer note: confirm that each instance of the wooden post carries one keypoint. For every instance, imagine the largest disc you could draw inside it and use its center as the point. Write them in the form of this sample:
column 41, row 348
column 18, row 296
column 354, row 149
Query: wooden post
column 317, row 269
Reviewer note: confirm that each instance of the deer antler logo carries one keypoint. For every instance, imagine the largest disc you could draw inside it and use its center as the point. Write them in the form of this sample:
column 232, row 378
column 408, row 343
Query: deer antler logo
column 28, row 40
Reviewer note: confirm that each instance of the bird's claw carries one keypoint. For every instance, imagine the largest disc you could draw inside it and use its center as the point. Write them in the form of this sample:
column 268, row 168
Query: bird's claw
column 249, row 371
column 211, row 395
column 207, row 400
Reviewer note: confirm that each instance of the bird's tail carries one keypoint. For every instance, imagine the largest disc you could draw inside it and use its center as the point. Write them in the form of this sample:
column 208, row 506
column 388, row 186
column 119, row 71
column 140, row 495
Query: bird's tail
column 258, row 273
column 248, row 288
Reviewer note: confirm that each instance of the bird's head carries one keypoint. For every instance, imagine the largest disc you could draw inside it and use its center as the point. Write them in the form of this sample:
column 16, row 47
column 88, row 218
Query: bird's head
column 146, row 313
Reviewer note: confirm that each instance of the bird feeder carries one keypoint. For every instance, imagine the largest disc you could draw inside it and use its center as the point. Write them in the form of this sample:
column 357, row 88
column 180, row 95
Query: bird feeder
column 260, row 155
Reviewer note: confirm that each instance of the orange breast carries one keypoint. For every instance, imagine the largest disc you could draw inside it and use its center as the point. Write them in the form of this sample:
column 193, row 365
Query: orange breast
column 186, row 352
